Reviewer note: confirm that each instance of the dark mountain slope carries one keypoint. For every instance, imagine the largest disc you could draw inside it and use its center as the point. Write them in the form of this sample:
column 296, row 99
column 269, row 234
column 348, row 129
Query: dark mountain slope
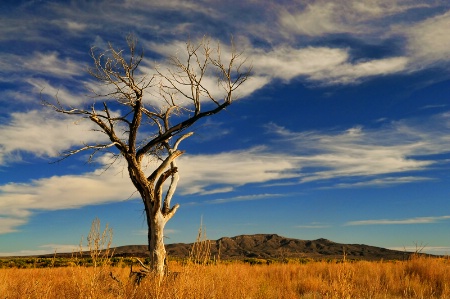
column 270, row 246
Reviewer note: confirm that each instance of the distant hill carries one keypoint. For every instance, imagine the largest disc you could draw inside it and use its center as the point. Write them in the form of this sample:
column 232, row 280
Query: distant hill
column 267, row 246
column 272, row 246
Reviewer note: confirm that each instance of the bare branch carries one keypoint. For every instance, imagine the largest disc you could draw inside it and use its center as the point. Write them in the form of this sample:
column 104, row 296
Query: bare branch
column 171, row 212
column 159, row 184
column 134, row 126
column 180, row 127
column 171, row 191
column 158, row 171
column 175, row 146
column 142, row 264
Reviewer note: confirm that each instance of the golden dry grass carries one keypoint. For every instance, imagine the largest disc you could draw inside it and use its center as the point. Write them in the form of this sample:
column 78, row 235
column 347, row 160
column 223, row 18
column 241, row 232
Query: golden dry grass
column 419, row 277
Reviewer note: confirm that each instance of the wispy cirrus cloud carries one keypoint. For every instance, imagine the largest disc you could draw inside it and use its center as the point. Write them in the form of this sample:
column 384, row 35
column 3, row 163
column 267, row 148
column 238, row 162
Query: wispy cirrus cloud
column 47, row 249
column 424, row 248
column 382, row 182
column 10, row 223
column 408, row 221
column 223, row 172
column 425, row 34
column 315, row 20
column 322, row 17
column 40, row 63
column 18, row 201
column 327, row 65
column 429, row 41
column 357, row 152
column 313, row 225
column 42, row 134
column 243, row 198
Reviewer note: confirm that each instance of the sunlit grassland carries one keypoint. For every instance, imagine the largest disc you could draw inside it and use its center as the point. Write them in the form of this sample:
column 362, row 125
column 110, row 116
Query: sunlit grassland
column 99, row 274
column 419, row 277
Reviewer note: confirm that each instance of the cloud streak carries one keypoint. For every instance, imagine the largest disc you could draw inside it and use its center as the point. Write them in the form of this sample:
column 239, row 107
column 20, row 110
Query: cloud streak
column 46, row 249
column 409, row 221
column 243, row 198
column 359, row 152
column 429, row 41
column 313, row 225
column 42, row 134
column 437, row 250
column 19, row 200
column 382, row 182
column 39, row 63
column 325, row 65
column 325, row 17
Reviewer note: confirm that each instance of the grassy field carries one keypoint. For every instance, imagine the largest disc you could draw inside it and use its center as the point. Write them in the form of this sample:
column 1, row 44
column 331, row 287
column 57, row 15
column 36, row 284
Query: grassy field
column 420, row 277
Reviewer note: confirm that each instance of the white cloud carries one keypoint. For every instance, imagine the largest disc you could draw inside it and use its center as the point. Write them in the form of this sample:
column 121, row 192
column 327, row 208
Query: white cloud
column 51, row 64
column 383, row 182
column 384, row 8
column 72, row 26
column 46, row 249
column 326, row 65
column 362, row 152
column 18, row 200
column 426, row 34
column 49, row 92
column 360, row 161
column 436, row 250
column 67, row 192
column 351, row 73
column 243, row 198
column 43, row 134
column 346, row 16
column 429, row 41
column 315, row 20
column 206, row 174
column 9, row 224
column 313, row 225
column 38, row 63
column 287, row 62
column 416, row 220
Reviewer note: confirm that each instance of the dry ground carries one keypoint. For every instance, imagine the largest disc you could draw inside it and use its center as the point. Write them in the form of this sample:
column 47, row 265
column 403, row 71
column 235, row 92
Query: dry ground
column 420, row 277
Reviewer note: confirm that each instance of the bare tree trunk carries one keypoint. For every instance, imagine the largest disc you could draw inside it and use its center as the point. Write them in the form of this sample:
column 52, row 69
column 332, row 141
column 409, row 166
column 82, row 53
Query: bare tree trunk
column 156, row 224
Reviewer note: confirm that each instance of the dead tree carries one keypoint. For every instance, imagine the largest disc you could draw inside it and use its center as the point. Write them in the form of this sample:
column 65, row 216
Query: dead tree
column 149, row 115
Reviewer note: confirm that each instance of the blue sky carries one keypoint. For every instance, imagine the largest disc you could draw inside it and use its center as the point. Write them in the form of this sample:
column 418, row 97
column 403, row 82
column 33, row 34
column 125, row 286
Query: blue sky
column 341, row 133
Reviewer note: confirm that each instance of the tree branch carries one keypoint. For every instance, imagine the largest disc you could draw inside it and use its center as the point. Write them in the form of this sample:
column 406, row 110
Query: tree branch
column 158, row 171
column 159, row 184
column 177, row 129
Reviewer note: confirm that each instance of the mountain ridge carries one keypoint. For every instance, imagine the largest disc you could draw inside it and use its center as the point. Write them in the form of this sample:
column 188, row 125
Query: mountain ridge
column 273, row 246
column 263, row 246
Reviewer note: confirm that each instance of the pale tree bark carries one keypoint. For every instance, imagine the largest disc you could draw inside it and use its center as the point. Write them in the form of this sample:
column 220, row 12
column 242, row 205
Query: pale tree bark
column 182, row 97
